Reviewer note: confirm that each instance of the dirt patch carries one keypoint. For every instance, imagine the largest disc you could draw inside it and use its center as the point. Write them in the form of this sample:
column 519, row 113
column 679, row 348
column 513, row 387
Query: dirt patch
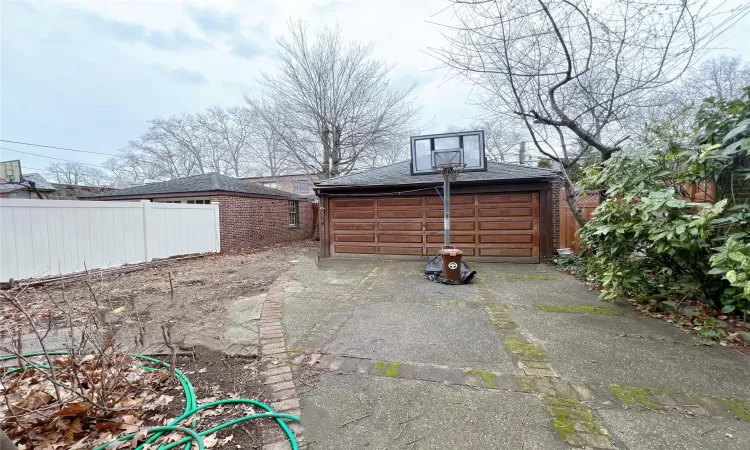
column 216, row 377
column 198, row 290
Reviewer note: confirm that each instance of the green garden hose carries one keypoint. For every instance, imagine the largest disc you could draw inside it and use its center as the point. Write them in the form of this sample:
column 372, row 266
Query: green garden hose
column 191, row 407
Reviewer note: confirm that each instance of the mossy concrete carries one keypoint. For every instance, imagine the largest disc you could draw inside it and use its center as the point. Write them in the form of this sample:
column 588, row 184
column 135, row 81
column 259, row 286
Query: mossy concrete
column 579, row 309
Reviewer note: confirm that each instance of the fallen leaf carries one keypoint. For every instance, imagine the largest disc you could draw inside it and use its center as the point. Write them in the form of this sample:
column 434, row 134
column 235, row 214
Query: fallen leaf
column 119, row 310
column 203, row 370
column 210, row 441
column 74, row 409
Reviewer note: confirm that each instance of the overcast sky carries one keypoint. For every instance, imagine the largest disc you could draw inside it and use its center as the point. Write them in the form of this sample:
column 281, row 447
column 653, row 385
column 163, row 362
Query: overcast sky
column 90, row 74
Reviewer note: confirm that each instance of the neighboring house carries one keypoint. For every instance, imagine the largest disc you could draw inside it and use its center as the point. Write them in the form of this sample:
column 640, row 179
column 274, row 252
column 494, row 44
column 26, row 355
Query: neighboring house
column 299, row 184
column 499, row 211
column 73, row 191
column 13, row 190
column 250, row 215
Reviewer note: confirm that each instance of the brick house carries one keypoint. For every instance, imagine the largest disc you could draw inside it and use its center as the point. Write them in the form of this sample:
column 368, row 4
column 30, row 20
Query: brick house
column 250, row 215
column 298, row 184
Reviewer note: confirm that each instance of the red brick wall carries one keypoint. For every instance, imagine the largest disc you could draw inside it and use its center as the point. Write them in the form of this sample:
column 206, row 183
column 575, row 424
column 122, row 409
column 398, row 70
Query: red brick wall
column 249, row 222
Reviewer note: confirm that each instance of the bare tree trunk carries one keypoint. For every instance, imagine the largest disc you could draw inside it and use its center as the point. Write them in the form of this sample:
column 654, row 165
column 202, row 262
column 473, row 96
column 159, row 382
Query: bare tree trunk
column 325, row 138
column 336, row 152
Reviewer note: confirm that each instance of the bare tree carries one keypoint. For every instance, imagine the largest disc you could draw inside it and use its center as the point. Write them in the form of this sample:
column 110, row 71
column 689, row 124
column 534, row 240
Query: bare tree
column 228, row 134
column 268, row 150
column 501, row 139
column 333, row 101
column 77, row 174
column 571, row 71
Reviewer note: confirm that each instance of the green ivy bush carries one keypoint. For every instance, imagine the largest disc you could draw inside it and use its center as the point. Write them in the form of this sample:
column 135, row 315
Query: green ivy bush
column 647, row 236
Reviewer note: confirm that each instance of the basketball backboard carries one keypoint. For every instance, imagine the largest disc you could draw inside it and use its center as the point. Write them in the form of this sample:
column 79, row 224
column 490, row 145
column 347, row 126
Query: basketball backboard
column 10, row 171
column 463, row 147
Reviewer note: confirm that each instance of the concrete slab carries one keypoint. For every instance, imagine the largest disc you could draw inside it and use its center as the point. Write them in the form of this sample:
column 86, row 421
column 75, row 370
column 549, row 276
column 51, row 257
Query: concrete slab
column 302, row 314
column 437, row 416
column 458, row 337
column 412, row 289
column 245, row 308
column 634, row 351
column 651, row 430
column 532, row 284
column 331, row 276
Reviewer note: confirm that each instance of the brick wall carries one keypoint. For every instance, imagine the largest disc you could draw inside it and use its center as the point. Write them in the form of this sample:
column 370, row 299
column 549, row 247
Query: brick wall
column 249, row 222
column 286, row 183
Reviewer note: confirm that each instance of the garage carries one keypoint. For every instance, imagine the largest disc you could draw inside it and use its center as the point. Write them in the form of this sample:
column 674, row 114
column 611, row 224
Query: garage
column 496, row 225
column 501, row 214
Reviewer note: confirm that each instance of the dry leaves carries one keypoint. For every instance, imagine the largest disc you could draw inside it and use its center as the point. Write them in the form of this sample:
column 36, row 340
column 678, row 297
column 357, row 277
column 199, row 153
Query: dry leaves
column 122, row 397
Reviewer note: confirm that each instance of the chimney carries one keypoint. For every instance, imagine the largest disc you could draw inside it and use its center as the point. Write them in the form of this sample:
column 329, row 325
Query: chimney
column 522, row 153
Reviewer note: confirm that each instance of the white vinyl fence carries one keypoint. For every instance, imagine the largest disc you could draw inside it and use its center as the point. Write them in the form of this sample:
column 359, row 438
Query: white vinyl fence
column 49, row 237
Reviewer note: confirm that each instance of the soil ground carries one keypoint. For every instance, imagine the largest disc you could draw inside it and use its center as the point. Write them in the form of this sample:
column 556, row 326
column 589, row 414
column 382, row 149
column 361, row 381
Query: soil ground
column 212, row 306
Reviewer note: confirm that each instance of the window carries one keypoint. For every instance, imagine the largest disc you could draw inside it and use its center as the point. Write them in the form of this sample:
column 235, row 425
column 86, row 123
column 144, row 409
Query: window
column 270, row 184
column 293, row 213
column 301, row 187
column 168, row 201
column 199, row 202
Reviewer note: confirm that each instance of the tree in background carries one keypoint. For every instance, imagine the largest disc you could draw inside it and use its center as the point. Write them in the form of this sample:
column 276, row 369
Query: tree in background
column 332, row 102
column 77, row 174
column 570, row 71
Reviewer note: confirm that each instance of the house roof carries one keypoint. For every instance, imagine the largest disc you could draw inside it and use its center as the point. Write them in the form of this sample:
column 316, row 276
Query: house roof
column 209, row 182
column 400, row 174
column 41, row 184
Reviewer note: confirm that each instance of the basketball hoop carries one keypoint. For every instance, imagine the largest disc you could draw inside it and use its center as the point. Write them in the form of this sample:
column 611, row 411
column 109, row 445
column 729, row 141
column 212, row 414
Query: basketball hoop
column 450, row 171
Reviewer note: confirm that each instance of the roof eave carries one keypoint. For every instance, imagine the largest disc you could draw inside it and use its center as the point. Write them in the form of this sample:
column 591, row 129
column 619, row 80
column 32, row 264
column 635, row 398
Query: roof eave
column 185, row 194
column 431, row 183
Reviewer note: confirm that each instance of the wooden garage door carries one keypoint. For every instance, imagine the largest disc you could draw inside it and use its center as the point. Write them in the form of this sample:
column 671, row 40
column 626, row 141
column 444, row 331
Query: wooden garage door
column 502, row 225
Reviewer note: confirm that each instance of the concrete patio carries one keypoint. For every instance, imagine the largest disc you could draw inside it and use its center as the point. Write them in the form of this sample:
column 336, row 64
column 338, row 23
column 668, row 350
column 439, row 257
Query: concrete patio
column 523, row 358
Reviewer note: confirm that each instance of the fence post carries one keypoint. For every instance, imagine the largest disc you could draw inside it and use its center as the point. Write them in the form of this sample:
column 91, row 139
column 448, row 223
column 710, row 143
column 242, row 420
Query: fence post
column 217, row 227
column 146, row 222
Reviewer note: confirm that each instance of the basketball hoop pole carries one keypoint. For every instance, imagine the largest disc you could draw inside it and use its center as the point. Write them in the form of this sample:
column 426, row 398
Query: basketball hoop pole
column 446, row 212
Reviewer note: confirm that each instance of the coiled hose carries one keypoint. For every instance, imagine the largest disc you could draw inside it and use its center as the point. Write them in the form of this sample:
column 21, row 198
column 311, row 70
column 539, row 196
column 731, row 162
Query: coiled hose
column 191, row 407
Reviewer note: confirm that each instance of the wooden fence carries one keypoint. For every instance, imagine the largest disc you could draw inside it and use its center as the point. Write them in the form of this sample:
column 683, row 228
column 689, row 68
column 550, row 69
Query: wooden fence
column 701, row 192
column 50, row 237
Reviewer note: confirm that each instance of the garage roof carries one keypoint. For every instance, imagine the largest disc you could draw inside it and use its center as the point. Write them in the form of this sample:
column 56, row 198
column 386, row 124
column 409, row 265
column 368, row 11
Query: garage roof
column 209, row 182
column 400, row 174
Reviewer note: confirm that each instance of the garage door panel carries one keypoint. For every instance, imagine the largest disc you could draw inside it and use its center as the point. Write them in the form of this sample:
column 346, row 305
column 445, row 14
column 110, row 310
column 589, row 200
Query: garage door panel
column 338, row 237
column 501, row 239
column 525, row 197
column 455, row 200
column 515, row 252
column 387, row 250
column 455, row 226
column 353, row 202
column 400, row 214
column 506, row 225
column 506, row 212
column 400, row 201
column 457, row 213
column 354, row 249
column 401, row 238
column 343, row 226
column 353, row 214
column 400, row 226
column 455, row 239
